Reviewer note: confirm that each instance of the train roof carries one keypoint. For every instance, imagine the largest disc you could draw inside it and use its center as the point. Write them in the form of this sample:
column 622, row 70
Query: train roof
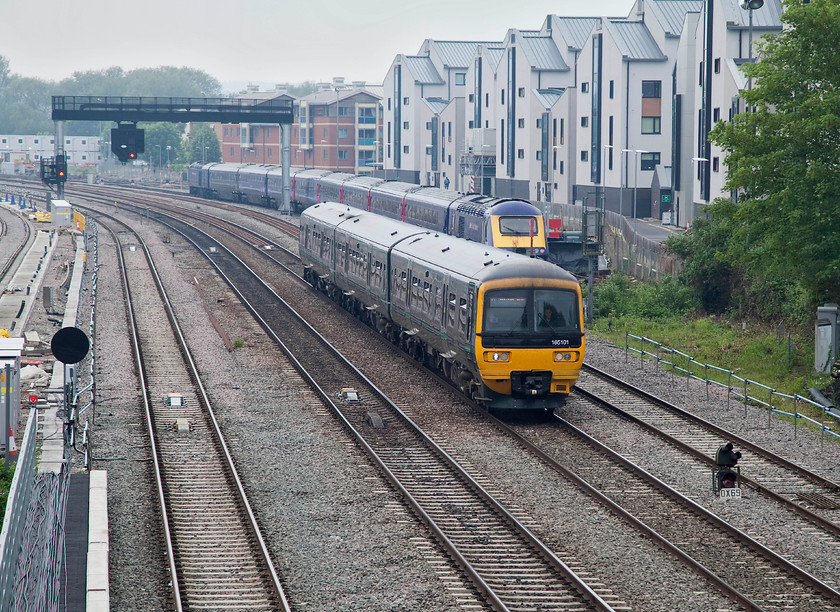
column 367, row 226
column 337, row 177
column 228, row 168
column 395, row 187
column 456, row 255
column 255, row 169
column 436, row 195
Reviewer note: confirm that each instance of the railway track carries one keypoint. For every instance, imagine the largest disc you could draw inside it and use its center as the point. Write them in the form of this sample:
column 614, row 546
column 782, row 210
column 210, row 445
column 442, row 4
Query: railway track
column 809, row 495
column 217, row 559
column 759, row 558
column 506, row 563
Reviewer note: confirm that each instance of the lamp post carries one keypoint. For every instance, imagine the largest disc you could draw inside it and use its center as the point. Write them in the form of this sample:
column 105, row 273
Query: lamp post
column 750, row 5
column 204, row 154
column 604, row 182
column 160, row 156
column 168, row 149
column 635, row 189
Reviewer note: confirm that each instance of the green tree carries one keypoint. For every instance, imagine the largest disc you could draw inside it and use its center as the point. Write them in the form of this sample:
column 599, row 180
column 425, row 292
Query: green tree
column 201, row 136
column 159, row 136
column 784, row 157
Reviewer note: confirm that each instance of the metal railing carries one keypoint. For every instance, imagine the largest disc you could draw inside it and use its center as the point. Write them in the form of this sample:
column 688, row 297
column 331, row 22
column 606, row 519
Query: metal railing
column 745, row 390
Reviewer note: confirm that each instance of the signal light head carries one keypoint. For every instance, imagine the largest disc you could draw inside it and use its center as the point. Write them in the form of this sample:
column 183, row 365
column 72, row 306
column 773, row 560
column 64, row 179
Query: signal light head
column 131, row 155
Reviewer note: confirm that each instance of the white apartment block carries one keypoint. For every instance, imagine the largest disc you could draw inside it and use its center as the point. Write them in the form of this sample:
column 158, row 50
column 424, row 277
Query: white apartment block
column 598, row 111
column 27, row 149
column 722, row 45
column 416, row 149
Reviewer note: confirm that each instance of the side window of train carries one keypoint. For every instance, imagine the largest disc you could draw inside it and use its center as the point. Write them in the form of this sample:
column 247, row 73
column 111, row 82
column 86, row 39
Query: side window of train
column 462, row 315
column 451, row 310
column 438, row 314
column 427, row 297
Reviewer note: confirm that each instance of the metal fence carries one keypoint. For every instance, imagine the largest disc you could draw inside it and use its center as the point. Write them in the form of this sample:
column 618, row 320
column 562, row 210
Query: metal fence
column 629, row 253
column 17, row 505
column 745, row 390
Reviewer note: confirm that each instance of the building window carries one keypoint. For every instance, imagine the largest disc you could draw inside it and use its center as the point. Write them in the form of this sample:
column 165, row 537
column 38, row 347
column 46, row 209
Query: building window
column 325, row 133
column 717, row 65
column 342, row 132
column 651, row 125
column 521, row 92
column 503, row 97
column 342, row 154
column 651, row 89
column 389, row 103
column 325, row 154
column 561, row 167
column 539, row 155
column 584, row 156
column 715, row 164
column 584, row 122
column 649, row 161
column 470, row 124
column 612, row 89
column 584, row 87
column 405, row 101
column 460, row 78
column 472, row 97
column 429, row 150
column 521, row 123
column 405, row 149
column 520, row 153
column 405, row 125
column 716, row 115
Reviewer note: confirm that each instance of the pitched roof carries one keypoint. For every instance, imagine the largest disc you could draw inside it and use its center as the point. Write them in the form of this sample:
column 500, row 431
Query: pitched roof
column 437, row 105
column 634, row 41
column 422, row 69
column 548, row 97
column 671, row 13
column 768, row 17
column 542, row 53
column 454, row 53
column 574, row 30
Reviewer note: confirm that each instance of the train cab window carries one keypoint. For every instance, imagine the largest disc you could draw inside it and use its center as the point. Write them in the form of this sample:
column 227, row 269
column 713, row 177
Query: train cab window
column 556, row 310
column 506, row 311
column 519, row 226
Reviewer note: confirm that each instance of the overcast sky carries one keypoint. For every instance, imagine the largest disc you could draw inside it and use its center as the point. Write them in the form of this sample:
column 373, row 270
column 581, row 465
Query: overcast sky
column 265, row 41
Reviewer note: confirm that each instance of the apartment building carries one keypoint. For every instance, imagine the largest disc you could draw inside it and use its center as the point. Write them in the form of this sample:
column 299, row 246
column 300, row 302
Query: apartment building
column 722, row 36
column 418, row 90
column 337, row 128
column 600, row 111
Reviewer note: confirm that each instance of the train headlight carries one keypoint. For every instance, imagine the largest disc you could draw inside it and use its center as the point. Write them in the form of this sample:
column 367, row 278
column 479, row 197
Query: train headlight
column 563, row 356
column 497, row 356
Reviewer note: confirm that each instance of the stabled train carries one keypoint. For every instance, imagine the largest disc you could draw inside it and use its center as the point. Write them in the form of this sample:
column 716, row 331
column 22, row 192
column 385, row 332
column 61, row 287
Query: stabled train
column 507, row 329
column 510, row 224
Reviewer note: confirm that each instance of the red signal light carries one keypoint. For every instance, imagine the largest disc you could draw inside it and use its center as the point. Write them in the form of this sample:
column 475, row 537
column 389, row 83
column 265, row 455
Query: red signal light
column 131, row 156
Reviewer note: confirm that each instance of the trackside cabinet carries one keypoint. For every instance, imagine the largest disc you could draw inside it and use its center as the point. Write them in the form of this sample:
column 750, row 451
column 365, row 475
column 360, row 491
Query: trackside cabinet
column 826, row 337
column 10, row 352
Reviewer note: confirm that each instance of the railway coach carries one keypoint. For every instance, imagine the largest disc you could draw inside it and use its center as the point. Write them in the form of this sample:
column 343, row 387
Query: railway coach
column 505, row 328
column 511, row 224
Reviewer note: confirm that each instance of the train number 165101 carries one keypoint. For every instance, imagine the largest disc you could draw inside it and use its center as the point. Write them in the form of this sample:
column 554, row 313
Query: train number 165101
column 560, row 342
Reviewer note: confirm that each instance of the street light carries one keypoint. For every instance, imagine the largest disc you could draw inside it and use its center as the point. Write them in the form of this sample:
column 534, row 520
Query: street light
column 168, row 149
column 635, row 188
column 604, row 182
column 204, row 154
column 160, row 156
column 750, row 5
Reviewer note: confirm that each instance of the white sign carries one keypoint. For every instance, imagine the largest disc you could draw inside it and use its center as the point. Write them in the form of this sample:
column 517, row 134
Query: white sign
column 729, row 493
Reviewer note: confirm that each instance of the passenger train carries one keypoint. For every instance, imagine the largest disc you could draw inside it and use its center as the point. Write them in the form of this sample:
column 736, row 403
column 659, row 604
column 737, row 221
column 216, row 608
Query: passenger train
column 506, row 328
column 511, row 224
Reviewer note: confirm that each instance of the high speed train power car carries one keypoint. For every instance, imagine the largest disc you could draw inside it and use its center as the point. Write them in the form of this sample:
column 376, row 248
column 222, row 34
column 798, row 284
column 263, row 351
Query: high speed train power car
column 511, row 224
column 506, row 328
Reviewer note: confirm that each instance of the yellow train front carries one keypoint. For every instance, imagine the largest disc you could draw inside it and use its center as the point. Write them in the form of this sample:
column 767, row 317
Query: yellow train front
column 506, row 328
column 529, row 340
